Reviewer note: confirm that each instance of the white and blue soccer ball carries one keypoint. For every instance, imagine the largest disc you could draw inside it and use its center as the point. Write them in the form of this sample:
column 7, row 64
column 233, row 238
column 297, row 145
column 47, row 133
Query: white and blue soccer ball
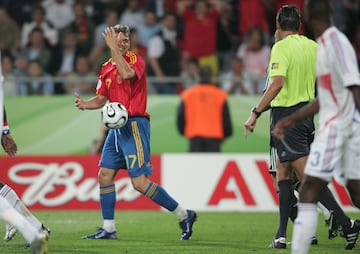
column 114, row 115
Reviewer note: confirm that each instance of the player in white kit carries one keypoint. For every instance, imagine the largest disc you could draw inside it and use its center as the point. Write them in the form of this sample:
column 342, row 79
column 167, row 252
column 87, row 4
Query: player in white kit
column 335, row 152
column 36, row 238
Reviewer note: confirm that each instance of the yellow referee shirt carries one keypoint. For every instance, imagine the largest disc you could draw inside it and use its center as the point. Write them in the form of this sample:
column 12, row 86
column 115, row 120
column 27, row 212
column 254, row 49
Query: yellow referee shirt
column 294, row 58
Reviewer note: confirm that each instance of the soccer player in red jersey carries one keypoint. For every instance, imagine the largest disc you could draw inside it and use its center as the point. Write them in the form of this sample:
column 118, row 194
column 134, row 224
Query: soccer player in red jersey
column 123, row 79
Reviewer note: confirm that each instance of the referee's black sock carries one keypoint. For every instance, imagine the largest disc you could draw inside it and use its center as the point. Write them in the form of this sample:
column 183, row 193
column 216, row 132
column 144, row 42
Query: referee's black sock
column 328, row 200
column 287, row 200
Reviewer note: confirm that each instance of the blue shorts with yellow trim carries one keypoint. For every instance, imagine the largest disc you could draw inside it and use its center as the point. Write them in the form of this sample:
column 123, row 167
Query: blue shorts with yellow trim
column 128, row 148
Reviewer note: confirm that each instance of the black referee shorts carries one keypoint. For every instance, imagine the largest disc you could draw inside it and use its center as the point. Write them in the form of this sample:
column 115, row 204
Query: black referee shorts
column 296, row 143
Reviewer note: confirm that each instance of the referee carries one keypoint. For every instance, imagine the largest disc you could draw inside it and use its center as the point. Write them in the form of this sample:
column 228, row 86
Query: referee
column 292, row 77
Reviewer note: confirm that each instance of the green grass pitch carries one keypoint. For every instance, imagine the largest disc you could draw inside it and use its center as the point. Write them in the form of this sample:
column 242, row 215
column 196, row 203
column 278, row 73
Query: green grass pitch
column 158, row 232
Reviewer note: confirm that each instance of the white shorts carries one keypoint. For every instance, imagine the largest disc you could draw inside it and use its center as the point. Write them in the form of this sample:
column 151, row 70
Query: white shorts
column 335, row 153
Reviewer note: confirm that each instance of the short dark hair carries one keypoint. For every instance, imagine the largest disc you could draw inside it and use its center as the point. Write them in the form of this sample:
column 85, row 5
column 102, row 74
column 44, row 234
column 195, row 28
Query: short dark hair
column 205, row 74
column 122, row 29
column 319, row 10
column 289, row 18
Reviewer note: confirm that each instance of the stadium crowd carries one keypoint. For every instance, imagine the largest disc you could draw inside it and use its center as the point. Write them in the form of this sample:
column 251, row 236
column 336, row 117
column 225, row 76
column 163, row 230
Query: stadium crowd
column 56, row 46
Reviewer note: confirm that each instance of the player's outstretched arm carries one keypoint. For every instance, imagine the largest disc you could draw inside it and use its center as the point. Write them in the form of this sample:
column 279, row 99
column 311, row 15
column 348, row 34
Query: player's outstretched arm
column 356, row 93
column 93, row 103
column 286, row 123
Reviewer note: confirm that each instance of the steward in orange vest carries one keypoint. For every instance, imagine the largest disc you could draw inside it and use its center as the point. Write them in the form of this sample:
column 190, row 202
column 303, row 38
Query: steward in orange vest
column 203, row 115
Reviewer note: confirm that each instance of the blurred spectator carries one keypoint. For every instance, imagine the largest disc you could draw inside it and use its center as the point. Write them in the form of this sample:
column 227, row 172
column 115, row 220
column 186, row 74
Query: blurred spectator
column 203, row 115
column 159, row 7
column 83, row 28
column 81, row 80
column 64, row 58
column 190, row 73
column 39, row 81
column 133, row 16
column 95, row 10
column 21, row 65
column 19, row 10
column 253, row 13
column 200, row 21
column 164, row 55
column 135, row 45
column 235, row 81
column 10, row 86
column 148, row 29
column 38, row 21
column 9, row 32
column 37, row 48
column 226, row 38
column 111, row 19
column 59, row 13
column 255, row 54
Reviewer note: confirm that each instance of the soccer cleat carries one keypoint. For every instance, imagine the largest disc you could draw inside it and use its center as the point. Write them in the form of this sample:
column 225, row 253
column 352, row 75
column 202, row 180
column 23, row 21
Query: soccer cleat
column 333, row 226
column 101, row 234
column 278, row 243
column 186, row 225
column 43, row 230
column 10, row 232
column 314, row 241
column 40, row 244
column 352, row 235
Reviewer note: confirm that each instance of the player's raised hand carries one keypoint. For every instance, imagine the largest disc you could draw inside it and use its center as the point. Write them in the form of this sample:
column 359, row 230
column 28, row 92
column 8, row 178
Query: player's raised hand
column 250, row 124
column 79, row 102
column 111, row 38
column 9, row 144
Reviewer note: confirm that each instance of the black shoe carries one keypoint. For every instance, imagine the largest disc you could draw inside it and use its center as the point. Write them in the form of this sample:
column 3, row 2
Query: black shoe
column 314, row 240
column 278, row 243
column 352, row 234
column 187, row 224
column 333, row 226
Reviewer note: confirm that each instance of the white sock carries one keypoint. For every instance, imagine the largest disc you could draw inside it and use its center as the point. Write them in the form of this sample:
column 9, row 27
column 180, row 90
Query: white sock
column 10, row 195
column 304, row 227
column 109, row 226
column 11, row 216
column 180, row 213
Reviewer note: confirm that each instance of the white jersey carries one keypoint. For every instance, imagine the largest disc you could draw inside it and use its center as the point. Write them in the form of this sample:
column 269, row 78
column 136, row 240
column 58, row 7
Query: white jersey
column 336, row 68
column 335, row 150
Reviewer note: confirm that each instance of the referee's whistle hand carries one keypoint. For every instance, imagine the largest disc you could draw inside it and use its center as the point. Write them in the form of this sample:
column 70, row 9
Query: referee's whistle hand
column 250, row 124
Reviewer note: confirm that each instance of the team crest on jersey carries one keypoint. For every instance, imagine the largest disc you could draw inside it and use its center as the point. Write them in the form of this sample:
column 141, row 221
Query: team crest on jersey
column 274, row 66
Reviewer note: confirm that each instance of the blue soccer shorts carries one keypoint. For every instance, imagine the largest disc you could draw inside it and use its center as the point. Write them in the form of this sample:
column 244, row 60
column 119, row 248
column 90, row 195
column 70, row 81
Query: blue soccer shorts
column 128, row 148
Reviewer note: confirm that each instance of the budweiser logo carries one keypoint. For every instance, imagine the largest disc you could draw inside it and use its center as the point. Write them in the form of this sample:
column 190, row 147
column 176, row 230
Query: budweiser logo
column 55, row 184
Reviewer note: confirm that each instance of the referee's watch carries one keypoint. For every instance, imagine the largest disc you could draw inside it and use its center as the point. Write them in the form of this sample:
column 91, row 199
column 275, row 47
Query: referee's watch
column 257, row 113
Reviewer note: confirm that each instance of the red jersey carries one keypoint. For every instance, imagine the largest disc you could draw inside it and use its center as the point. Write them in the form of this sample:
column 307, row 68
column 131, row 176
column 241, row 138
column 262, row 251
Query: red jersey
column 131, row 93
column 194, row 27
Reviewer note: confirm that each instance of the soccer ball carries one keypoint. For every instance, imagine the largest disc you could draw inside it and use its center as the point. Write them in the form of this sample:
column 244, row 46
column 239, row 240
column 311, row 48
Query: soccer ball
column 114, row 115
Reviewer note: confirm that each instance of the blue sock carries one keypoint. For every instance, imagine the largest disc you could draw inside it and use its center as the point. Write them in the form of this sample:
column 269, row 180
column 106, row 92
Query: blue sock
column 157, row 194
column 107, row 201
